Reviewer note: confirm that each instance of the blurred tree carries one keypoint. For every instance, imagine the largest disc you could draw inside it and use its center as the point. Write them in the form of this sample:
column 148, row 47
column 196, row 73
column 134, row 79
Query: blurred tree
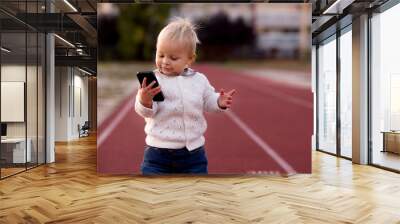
column 220, row 37
column 107, row 37
column 138, row 27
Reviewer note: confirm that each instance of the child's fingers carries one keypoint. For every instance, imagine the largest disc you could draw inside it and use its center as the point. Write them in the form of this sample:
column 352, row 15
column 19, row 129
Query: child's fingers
column 144, row 82
column 156, row 90
column 233, row 91
column 149, row 87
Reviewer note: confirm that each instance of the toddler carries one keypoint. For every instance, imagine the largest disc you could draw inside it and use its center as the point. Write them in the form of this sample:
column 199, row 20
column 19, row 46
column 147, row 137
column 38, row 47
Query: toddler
column 175, row 127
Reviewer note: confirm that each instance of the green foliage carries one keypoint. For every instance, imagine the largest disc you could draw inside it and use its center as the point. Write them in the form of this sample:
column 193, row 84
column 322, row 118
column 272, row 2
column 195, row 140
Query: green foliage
column 138, row 27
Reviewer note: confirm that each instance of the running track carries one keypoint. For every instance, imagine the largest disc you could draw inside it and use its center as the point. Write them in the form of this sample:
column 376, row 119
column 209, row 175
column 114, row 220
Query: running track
column 268, row 129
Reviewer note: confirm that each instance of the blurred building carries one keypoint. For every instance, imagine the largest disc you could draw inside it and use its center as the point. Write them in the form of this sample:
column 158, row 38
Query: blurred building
column 282, row 30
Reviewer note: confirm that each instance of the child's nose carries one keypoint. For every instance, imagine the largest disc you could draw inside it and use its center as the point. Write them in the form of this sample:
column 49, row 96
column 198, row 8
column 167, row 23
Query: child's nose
column 165, row 61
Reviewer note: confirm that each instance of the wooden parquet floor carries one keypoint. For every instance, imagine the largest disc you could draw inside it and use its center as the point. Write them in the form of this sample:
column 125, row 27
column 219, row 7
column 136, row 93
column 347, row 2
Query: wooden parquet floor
column 70, row 191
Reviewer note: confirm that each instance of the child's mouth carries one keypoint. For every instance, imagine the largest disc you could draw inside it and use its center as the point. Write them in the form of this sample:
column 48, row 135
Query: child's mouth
column 165, row 69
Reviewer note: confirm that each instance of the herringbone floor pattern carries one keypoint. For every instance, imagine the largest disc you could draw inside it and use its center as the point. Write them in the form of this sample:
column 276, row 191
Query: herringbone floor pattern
column 70, row 191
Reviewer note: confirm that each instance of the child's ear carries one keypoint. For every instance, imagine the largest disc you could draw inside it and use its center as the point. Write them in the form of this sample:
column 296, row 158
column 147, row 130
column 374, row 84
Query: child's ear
column 192, row 59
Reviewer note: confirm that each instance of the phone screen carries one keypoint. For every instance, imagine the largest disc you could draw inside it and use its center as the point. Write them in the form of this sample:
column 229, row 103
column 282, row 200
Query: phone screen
column 150, row 77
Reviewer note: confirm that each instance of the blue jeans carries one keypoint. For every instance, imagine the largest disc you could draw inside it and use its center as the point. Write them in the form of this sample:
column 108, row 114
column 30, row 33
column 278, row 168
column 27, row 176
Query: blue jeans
column 174, row 161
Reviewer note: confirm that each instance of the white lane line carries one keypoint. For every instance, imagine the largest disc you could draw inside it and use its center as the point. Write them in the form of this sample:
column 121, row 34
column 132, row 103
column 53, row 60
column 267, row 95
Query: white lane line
column 271, row 152
column 103, row 135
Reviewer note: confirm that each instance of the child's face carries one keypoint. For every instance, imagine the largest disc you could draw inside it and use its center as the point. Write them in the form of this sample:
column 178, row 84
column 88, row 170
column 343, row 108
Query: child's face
column 172, row 57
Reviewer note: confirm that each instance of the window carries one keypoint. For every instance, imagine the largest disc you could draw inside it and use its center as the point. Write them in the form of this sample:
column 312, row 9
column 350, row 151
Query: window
column 385, row 88
column 346, row 93
column 22, row 67
column 327, row 96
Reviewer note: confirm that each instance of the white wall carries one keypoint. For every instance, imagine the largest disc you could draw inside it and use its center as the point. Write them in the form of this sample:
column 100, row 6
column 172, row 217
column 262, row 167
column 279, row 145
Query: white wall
column 14, row 73
column 17, row 73
column 80, row 109
column 33, row 126
column 70, row 84
column 61, row 103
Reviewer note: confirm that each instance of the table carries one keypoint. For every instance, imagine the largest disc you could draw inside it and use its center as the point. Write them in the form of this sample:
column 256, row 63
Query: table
column 13, row 150
column 391, row 141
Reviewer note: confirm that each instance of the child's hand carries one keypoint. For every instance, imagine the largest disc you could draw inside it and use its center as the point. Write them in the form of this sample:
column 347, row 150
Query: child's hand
column 225, row 99
column 146, row 93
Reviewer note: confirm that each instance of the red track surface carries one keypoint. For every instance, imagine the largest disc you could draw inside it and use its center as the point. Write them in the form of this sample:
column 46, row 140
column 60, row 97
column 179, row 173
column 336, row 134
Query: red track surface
column 280, row 115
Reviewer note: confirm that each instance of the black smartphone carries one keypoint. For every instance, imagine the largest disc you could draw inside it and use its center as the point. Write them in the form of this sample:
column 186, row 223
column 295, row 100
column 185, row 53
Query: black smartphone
column 150, row 77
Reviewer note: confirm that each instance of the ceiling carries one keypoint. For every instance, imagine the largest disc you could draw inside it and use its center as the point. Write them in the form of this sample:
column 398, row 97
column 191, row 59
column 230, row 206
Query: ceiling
column 74, row 22
column 331, row 15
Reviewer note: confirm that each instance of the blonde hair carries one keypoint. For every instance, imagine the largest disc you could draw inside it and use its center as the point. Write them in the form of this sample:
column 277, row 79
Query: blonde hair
column 181, row 30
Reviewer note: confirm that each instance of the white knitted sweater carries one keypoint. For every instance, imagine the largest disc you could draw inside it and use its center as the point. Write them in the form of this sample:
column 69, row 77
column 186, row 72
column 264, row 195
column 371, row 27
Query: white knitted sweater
column 178, row 121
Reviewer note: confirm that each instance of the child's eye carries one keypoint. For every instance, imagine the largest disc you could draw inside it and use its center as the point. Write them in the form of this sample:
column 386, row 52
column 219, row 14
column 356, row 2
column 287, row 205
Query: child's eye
column 174, row 59
column 160, row 56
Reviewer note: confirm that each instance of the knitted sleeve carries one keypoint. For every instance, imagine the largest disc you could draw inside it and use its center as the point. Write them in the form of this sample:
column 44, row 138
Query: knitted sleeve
column 211, row 98
column 144, row 111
